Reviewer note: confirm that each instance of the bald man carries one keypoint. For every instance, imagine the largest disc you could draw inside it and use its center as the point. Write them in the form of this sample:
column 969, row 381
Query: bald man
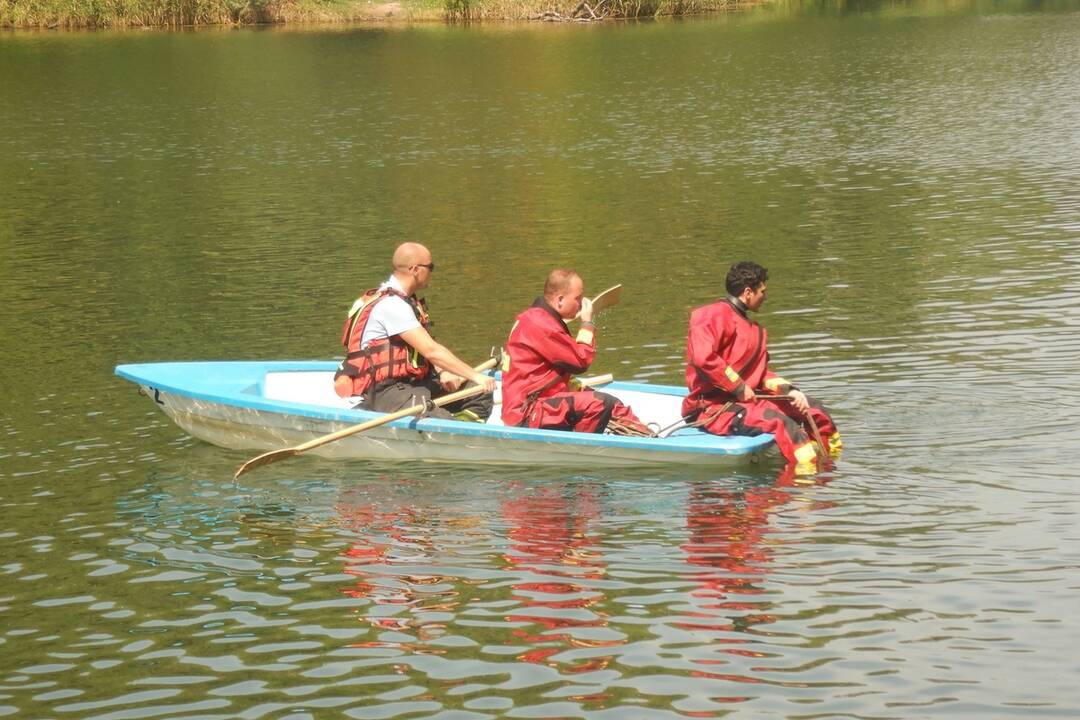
column 543, row 358
column 391, row 360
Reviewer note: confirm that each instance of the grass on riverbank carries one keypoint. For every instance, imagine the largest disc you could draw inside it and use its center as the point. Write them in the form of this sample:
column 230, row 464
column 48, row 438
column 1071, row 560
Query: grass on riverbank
column 171, row 13
column 185, row 13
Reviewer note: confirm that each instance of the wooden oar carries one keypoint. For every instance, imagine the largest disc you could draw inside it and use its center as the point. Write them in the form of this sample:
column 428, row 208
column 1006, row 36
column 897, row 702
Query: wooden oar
column 274, row 455
column 606, row 299
column 598, row 380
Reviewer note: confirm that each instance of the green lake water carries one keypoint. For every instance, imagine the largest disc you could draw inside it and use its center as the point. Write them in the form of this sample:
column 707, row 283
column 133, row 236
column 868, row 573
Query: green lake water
column 910, row 175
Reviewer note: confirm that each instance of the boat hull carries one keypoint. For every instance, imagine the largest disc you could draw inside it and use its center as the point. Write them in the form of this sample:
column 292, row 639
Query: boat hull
column 254, row 406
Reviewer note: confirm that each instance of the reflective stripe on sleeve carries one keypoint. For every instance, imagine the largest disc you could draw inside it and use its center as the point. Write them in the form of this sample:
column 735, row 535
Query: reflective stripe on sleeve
column 585, row 335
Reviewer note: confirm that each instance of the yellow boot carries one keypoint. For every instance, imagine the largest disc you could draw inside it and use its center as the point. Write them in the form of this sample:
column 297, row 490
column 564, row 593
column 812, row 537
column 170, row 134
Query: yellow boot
column 806, row 456
column 835, row 444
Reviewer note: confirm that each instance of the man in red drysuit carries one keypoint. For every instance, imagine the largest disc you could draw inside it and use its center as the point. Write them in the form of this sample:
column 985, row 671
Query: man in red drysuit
column 728, row 375
column 542, row 357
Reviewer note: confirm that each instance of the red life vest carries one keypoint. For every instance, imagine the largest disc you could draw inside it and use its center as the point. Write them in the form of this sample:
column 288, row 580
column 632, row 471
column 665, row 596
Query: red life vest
column 383, row 359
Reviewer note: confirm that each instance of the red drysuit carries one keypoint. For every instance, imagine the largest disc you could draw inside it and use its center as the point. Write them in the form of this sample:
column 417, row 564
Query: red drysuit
column 726, row 350
column 543, row 357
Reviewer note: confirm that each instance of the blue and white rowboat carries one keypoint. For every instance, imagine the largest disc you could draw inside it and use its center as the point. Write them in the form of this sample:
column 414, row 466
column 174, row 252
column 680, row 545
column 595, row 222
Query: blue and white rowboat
column 270, row 405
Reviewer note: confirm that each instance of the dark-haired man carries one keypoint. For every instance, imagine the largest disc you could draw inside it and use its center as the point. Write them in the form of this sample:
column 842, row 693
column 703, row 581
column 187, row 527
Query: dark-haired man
column 391, row 360
column 728, row 375
column 542, row 357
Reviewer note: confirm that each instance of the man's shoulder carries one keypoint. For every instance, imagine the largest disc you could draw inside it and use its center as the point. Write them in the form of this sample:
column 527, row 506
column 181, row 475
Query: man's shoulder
column 391, row 299
column 395, row 299
column 532, row 323
column 536, row 316
column 395, row 313
column 713, row 309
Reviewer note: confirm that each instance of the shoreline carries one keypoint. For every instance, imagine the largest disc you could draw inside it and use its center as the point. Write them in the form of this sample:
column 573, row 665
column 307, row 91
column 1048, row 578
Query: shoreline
column 193, row 14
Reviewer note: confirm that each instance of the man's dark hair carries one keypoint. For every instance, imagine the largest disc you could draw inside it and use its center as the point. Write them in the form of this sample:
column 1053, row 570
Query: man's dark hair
column 744, row 274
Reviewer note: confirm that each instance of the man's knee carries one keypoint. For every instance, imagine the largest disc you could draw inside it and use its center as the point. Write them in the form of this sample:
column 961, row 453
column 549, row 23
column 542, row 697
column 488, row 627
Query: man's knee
column 481, row 405
column 400, row 396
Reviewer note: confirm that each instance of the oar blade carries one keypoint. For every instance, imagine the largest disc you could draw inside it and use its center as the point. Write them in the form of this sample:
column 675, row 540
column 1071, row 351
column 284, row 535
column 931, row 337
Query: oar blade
column 266, row 459
column 608, row 298
column 604, row 300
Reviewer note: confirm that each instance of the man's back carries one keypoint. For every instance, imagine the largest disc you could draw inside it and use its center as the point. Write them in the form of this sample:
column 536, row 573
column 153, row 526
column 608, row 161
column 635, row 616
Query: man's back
column 542, row 353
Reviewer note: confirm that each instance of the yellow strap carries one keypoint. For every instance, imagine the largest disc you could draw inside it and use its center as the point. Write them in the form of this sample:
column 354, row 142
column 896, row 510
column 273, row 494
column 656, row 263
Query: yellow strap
column 356, row 306
column 361, row 302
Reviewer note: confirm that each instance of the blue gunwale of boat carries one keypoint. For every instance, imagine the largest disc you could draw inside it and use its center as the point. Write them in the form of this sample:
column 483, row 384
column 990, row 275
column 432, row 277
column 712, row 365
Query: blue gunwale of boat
column 239, row 384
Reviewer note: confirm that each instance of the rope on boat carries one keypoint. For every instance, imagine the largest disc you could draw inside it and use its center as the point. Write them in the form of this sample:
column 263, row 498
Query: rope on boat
column 686, row 422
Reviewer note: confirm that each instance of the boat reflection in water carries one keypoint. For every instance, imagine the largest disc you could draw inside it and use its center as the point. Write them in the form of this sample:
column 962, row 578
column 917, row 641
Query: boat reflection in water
column 570, row 573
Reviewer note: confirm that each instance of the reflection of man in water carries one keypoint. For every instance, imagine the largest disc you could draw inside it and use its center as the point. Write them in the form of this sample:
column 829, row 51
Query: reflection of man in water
column 729, row 529
column 551, row 548
column 551, row 535
column 385, row 539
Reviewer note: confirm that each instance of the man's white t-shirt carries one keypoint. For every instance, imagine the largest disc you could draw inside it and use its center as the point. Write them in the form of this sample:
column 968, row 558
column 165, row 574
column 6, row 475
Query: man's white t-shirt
column 390, row 316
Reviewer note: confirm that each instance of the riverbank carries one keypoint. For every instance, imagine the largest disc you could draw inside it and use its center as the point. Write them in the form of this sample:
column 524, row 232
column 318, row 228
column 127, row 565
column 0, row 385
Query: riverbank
column 196, row 13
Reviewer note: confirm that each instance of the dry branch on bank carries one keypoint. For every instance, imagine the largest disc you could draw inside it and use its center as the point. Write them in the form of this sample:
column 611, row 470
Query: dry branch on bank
column 582, row 13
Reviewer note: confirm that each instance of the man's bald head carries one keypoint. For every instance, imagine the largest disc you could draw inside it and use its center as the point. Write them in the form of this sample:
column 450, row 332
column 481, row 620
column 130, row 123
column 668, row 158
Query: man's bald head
column 564, row 291
column 410, row 254
column 558, row 282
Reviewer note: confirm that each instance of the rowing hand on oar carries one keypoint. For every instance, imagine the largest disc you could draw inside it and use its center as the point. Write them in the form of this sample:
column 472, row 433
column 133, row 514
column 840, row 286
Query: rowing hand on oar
column 274, row 455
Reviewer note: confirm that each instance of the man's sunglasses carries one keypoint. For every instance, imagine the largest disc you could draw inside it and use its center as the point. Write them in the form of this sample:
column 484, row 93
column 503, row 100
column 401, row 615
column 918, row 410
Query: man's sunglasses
column 429, row 266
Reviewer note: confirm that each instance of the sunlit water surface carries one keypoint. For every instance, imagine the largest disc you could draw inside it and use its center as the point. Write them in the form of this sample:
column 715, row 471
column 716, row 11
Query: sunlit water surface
column 909, row 174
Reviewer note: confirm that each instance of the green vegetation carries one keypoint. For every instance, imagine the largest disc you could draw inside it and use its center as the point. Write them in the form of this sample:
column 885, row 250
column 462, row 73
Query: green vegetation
column 189, row 13
column 172, row 13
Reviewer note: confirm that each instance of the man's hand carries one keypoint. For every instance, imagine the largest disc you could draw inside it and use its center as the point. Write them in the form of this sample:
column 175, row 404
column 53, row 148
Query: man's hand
column 586, row 310
column 450, row 382
column 798, row 399
column 745, row 393
column 485, row 381
column 449, row 363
